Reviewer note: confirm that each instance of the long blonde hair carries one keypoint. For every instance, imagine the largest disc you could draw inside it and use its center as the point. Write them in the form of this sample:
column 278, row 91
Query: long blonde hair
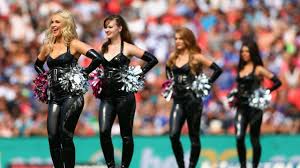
column 68, row 31
column 190, row 45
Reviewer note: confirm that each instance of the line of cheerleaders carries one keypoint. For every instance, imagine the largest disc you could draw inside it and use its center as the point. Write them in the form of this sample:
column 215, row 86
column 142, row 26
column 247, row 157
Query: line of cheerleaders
column 114, row 82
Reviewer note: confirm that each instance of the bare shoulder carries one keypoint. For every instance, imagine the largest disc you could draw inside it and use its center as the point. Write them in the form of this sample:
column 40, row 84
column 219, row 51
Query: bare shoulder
column 132, row 50
column 259, row 69
column 198, row 56
column 172, row 54
column 75, row 43
column 262, row 71
column 129, row 46
column 78, row 47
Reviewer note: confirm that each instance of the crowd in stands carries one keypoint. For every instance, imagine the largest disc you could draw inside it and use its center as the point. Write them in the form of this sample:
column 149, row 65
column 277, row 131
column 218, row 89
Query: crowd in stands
column 219, row 25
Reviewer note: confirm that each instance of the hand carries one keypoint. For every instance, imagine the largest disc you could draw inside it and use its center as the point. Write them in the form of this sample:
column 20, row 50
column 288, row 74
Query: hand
column 268, row 91
column 85, row 74
column 141, row 76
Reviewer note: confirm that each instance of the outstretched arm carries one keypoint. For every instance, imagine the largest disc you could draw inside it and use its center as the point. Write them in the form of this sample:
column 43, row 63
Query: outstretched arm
column 88, row 51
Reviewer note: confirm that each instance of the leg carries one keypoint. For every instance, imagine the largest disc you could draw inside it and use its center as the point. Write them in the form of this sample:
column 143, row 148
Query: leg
column 256, row 119
column 194, row 111
column 107, row 116
column 53, row 135
column 71, row 111
column 177, row 119
column 126, row 110
column 240, row 132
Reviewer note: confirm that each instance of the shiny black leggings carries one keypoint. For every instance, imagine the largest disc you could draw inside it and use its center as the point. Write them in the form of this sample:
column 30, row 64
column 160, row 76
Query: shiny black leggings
column 246, row 115
column 188, row 109
column 61, row 123
column 124, row 107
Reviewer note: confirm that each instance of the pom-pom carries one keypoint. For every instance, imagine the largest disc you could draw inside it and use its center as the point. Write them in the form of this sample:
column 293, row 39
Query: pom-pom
column 132, row 78
column 201, row 85
column 95, row 81
column 74, row 81
column 40, row 87
column 167, row 89
column 260, row 99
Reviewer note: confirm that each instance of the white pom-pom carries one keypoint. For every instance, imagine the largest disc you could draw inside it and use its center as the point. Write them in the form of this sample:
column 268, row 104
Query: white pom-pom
column 132, row 79
column 74, row 81
column 260, row 99
column 201, row 85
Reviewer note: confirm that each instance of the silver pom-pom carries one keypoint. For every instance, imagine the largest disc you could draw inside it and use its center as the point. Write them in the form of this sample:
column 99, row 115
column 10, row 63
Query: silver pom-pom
column 260, row 98
column 74, row 81
column 201, row 85
column 167, row 89
column 132, row 79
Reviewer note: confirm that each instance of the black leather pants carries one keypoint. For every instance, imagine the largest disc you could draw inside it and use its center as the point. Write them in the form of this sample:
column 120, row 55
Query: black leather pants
column 246, row 115
column 124, row 107
column 186, row 108
column 61, row 123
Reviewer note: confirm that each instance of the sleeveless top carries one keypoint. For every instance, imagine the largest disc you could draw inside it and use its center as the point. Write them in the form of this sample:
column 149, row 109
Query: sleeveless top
column 247, row 85
column 111, row 83
column 183, row 79
column 57, row 67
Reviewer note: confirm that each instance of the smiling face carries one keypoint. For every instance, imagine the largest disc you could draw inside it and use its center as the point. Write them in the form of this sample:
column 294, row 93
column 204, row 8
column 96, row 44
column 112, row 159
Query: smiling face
column 112, row 29
column 56, row 25
column 245, row 54
column 179, row 42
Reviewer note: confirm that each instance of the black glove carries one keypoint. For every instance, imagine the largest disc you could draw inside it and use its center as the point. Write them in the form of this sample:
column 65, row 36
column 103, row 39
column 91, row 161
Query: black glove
column 151, row 61
column 216, row 74
column 276, row 83
column 38, row 66
column 97, row 59
column 169, row 73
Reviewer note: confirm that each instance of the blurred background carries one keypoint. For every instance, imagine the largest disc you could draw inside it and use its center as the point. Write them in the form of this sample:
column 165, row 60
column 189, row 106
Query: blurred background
column 219, row 25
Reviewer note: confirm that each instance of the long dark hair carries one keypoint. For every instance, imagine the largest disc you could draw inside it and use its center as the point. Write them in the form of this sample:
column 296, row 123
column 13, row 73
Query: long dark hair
column 125, row 34
column 191, row 45
column 254, row 54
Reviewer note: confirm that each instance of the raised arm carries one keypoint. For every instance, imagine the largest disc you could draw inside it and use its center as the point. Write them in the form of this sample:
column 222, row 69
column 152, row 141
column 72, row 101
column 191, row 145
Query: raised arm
column 84, row 49
column 210, row 64
column 39, row 63
column 144, row 55
column 261, row 71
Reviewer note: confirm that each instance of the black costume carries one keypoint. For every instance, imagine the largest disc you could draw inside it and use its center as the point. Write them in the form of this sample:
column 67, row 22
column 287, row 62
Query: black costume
column 117, row 102
column 247, row 115
column 186, row 106
column 64, row 107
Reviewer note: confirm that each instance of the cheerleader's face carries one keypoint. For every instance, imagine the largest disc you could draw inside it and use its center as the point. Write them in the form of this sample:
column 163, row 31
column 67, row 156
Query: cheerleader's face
column 111, row 29
column 245, row 54
column 179, row 42
column 56, row 25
